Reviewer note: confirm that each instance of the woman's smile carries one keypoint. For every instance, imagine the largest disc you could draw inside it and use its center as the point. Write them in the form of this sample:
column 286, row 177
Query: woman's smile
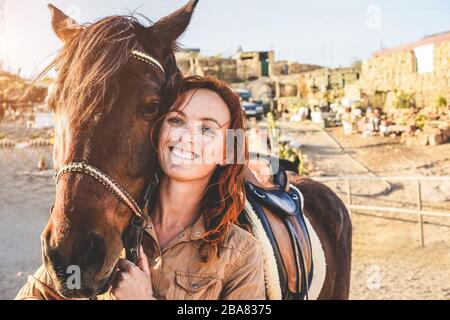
column 183, row 154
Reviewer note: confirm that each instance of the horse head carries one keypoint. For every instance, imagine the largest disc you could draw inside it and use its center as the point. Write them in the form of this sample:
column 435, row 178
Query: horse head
column 106, row 99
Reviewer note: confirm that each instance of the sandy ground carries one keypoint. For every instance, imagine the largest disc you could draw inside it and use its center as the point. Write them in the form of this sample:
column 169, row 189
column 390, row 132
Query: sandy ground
column 388, row 261
column 25, row 201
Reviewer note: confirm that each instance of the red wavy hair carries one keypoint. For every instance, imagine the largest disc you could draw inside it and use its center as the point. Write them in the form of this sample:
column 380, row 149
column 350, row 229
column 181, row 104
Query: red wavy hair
column 224, row 198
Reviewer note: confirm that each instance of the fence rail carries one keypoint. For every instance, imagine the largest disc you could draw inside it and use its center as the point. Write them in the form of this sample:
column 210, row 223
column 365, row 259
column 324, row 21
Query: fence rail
column 419, row 212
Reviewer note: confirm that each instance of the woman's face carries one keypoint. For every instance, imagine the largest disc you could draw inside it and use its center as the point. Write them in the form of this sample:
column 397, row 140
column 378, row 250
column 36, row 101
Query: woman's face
column 192, row 138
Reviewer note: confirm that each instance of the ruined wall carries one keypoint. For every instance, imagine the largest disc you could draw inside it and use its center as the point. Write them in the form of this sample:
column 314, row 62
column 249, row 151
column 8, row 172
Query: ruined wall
column 327, row 78
column 224, row 69
column 323, row 79
column 248, row 65
column 290, row 67
column 288, row 85
column 397, row 71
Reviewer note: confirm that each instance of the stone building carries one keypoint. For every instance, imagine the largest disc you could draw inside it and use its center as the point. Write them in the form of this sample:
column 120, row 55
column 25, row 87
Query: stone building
column 253, row 64
column 420, row 69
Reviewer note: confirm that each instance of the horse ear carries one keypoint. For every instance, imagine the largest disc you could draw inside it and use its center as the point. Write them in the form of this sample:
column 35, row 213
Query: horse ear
column 172, row 26
column 64, row 26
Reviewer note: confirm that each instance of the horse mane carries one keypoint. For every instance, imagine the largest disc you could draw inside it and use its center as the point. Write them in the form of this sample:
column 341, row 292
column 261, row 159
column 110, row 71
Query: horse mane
column 89, row 66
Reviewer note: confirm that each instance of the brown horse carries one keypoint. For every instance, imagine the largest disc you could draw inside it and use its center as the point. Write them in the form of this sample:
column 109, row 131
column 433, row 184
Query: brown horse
column 106, row 99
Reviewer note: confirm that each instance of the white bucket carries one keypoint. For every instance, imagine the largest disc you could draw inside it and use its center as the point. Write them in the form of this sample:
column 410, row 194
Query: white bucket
column 348, row 128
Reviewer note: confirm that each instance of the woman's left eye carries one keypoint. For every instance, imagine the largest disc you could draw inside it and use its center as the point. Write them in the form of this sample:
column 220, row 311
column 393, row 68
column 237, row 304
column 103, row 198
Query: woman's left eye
column 206, row 130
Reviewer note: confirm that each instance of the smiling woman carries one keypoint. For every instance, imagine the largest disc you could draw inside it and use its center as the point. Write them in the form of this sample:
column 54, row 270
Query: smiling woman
column 195, row 248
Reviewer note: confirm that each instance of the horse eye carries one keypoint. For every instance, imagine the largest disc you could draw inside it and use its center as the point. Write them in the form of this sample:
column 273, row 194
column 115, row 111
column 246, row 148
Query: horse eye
column 149, row 110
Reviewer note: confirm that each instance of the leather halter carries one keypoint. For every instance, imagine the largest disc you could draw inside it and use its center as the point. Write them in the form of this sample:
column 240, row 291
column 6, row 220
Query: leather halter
column 134, row 232
column 141, row 56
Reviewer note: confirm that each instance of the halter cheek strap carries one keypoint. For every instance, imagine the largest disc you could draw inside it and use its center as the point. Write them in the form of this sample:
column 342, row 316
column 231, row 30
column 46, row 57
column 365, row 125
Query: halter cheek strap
column 141, row 56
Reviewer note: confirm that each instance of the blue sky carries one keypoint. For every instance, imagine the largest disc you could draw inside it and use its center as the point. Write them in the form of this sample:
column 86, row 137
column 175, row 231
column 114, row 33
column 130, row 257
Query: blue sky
column 324, row 32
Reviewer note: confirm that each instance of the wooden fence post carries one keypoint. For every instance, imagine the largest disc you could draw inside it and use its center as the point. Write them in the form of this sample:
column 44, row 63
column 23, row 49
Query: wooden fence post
column 349, row 197
column 419, row 207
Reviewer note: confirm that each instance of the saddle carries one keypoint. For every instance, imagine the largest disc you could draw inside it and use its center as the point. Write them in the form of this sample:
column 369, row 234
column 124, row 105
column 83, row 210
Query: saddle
column 279, row 208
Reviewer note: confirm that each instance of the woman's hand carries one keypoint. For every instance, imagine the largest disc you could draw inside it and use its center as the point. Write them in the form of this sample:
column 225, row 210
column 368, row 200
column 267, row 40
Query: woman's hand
column 133, row 282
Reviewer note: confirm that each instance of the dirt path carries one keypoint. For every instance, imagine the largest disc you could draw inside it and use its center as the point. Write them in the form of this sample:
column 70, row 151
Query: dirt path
column 322, row 151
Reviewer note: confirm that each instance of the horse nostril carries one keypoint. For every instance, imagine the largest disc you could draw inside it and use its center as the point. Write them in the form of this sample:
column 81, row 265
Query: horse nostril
column 94, row 250
column 50, row 253
column 54, row 258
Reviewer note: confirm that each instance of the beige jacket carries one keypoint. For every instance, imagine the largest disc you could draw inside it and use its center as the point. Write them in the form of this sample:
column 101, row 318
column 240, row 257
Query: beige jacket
column 178, row 273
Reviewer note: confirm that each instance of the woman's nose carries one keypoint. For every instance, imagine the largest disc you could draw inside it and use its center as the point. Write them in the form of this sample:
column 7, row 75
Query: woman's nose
column 186, row 134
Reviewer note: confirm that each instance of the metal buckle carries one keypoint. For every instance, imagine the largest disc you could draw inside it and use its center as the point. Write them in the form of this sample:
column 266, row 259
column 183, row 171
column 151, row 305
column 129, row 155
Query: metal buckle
column 262, row 196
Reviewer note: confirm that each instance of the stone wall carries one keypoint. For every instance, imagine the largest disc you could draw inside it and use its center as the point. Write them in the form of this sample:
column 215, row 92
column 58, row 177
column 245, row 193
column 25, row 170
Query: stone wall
column 249, row 63
column 323, row 79
column 290, row 67
column 396, row 71
column 288, row 85
column 328, row 78
column 222, row 68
